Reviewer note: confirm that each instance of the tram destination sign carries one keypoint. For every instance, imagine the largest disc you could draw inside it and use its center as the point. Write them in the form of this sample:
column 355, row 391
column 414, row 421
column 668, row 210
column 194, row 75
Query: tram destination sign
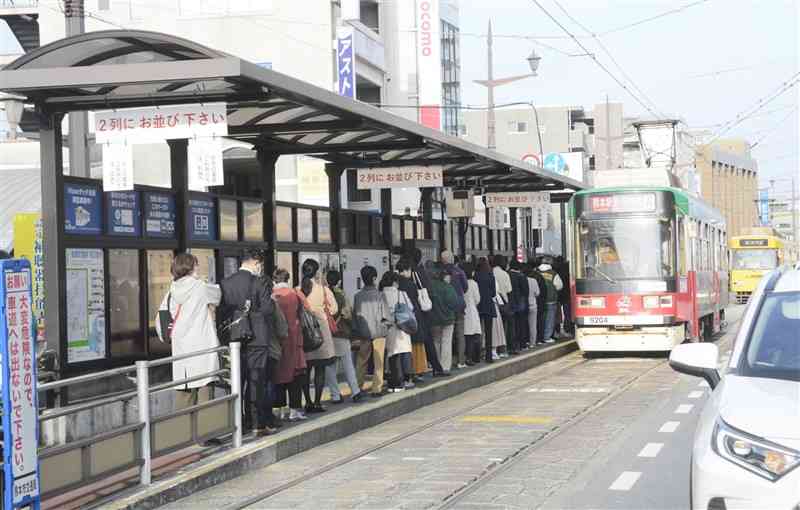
column 753, row 243
column 623, row 203
column 401, row 177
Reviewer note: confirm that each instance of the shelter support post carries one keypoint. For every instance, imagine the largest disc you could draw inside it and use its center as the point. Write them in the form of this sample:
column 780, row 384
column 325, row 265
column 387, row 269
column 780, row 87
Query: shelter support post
column 463, row 223
column 427, row 211
column 52, row 174
column 563, row 229
column 266, row 161
column 490, row 241
column 179, row 176
column 512, row 214
column 335, row 173
column 386, row 211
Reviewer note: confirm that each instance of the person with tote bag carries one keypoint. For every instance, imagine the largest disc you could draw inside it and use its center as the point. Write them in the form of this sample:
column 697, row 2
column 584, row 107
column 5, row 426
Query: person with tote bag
column 398, row 341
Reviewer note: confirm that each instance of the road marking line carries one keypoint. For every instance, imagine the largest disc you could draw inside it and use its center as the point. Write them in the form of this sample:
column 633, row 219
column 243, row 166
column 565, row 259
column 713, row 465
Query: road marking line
column 496, row 459
column 368, row 457
column 696, row 394
column 670, row 426
column 567, row 390
column 625, row 481
column 703, row 384
column 414, row 458
column 535, row 420
column 684, row 409
column 651, row 450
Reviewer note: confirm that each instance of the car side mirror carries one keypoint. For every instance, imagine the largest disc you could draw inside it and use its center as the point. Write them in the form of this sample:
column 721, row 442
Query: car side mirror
column 697, row 359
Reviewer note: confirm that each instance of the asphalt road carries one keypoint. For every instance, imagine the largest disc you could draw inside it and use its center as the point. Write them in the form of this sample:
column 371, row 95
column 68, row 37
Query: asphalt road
column 575, row 433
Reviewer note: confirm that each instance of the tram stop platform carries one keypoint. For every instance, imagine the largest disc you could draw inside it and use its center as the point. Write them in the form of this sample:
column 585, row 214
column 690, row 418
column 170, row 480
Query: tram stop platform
column 196, row 468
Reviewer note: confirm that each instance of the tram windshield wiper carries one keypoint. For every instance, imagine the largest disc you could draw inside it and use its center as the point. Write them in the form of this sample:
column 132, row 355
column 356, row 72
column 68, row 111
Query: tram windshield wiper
column 611, row 280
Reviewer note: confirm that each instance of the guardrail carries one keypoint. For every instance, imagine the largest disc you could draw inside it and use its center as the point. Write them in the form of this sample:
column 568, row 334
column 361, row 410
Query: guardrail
column 68, row 466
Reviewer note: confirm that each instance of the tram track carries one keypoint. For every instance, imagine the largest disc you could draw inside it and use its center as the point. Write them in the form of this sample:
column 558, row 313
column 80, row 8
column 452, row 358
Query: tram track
column 261, row 496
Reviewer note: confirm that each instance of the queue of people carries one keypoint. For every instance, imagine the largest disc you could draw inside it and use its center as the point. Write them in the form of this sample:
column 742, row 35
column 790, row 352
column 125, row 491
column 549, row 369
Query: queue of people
column 426, row 317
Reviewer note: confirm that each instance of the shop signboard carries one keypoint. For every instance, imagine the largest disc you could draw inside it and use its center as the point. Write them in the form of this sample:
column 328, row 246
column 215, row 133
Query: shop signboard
column 123, row 212
column 401, row 177
column 345, row 62
column 202, row 219
column 82, row 209
column 154, row 124
column 86, row 304
column 20, row 409
column 29, row 244
column 159, row 215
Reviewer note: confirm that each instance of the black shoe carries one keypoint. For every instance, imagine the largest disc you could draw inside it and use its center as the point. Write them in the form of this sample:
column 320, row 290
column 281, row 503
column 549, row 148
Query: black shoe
column 214, row 441
column 316, row 408
column 376, row 395
column 442, row 374
column 358, row 396
column 418, row 379
column 340, row 400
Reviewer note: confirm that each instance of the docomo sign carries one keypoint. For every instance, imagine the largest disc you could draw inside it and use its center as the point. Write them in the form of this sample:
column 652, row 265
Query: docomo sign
column 518, row 199
column 429, row 63
column 400, row 177
column 426, row 8
column 162, row 123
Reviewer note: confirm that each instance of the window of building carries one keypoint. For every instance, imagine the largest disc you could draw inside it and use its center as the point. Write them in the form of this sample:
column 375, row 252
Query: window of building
column 283, row 223
column 102, row 5
column 517, row 127
column 124, row 310
column 305, row 226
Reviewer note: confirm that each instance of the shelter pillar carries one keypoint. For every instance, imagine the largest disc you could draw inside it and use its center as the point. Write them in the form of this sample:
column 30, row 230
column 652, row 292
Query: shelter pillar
column 52, row 174
column 462, row 237
column 266, row 161
column 386, row 210
column 179, row 174
column 335, row 173
column 427, row 211
column 489, row 232
column 512, row 213
column 564, row 230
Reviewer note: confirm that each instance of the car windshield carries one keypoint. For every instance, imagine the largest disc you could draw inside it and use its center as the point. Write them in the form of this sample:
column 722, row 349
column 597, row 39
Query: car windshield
column 755, row 259
column 625, row 248
column 774, row 347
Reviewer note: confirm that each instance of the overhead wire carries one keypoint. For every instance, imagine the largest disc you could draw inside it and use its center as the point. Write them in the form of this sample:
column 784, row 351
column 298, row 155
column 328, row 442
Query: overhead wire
column 653, row 18
column 773, row 128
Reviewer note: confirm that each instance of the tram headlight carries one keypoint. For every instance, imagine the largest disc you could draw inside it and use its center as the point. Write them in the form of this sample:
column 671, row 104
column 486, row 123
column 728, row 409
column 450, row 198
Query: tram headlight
column 592, row 302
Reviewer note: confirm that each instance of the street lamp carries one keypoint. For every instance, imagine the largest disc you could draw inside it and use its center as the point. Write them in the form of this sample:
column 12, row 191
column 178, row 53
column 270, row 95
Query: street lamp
column 490, row 83
column 13, row 107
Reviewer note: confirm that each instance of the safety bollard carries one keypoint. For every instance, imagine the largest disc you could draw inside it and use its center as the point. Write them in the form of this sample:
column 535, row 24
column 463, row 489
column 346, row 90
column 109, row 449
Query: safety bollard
column 143, row 396
column 236, row 389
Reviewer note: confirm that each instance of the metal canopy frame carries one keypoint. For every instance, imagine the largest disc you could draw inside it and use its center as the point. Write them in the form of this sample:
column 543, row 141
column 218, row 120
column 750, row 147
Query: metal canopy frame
column 130, row 68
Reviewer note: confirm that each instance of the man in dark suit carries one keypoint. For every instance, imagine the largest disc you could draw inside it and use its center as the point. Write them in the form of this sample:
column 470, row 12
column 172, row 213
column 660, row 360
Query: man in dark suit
column 519, row 306
column 247, row 296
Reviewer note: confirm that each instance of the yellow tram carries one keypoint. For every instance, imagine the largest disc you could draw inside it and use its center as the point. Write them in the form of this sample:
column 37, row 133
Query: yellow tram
column 753, row 256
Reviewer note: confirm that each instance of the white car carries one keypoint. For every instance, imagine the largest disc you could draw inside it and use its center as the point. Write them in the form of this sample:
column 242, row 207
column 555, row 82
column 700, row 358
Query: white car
column 746, row 452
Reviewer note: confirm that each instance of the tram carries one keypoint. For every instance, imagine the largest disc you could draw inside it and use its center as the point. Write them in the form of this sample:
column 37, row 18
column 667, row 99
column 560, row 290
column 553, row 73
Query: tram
column 753, row 256
column 648, row 268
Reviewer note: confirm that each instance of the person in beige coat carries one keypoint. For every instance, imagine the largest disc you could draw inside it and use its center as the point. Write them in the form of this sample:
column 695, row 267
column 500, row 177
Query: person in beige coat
column 322, row 303
column 191, row 301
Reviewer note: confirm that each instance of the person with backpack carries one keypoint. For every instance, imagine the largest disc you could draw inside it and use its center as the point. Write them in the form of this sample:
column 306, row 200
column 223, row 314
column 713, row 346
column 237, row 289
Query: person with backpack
column 422, row 348
column 290, row 377
column 487, row 291
column 341, row 344
column 519, row 307
column 246, row 314
column 552, row 285
column 370, row 321
column 398, row 341
column 190, row 328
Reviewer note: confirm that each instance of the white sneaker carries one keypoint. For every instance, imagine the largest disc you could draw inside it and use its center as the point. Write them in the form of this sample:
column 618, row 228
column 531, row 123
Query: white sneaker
column 549, row 341
column 495, row 356
column 504, row 355
column 297, row 415
column 461, row 365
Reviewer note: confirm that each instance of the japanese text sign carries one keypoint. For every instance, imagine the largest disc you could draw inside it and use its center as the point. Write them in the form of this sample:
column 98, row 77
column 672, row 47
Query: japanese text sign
column 117, row 167
column 82, row 209
column 517, row 199
column 162, row 123
column 205, row 164
column 159, row 215
column 400, row 177
column 497, row 218
column 345, row 62
column 202, row 219
column 122, row 213
column 20, row 410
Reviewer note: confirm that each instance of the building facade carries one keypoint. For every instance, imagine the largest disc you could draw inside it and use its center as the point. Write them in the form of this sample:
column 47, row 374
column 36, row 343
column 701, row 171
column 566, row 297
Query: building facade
column 729, row 182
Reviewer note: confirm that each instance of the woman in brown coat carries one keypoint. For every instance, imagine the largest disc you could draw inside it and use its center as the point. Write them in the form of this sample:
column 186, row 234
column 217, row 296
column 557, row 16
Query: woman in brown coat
column 291, row 374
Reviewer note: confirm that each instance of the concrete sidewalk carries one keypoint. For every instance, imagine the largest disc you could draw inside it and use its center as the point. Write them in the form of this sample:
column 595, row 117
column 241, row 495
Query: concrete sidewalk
column 340, row 421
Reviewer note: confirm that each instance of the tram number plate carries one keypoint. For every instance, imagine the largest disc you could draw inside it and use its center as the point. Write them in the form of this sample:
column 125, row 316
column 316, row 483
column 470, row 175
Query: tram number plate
column 597, row 320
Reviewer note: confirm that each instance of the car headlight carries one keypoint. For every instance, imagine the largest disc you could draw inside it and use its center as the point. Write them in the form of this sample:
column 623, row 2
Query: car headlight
column 592, row 302
column 764, row 458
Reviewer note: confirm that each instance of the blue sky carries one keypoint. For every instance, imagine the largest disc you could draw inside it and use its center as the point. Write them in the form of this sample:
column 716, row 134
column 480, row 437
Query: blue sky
column 704, row 64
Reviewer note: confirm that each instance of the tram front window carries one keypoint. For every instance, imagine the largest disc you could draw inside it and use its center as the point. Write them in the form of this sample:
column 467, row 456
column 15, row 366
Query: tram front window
column 755, row 259
column 626, row 248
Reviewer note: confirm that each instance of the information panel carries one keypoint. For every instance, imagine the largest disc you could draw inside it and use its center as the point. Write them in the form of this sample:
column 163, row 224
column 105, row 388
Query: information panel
column 20, row 410
column 159, row 215
column 123, row 212
column 86, row 305
column 202, row 219
column 82, row 209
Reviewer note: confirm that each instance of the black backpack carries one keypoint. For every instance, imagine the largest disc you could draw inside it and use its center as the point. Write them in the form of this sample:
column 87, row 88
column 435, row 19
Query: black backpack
column 236, row 324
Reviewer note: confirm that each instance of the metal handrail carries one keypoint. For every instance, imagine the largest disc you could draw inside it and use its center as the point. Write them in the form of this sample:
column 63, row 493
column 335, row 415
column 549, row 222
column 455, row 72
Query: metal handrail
column 142, row 394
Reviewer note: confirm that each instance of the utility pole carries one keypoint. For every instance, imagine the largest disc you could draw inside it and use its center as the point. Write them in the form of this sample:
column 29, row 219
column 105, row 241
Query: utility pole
column 490, row 125
column 78, row 121
column 608, row 135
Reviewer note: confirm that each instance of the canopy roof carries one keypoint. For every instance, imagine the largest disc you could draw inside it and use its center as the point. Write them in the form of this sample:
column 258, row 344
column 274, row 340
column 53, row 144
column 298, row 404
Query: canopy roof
column 133, row 68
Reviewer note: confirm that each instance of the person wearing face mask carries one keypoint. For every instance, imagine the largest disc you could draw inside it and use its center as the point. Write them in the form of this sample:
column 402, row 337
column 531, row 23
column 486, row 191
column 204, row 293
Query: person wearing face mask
column 248, row 292
column 190, row 301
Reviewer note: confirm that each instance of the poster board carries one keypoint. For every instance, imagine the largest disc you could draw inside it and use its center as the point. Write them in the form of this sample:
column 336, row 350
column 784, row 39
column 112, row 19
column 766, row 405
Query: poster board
column 86, row 304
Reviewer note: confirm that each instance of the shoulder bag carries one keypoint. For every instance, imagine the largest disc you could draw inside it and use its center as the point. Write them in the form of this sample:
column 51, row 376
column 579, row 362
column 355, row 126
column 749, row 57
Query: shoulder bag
column 312, row 333
column 238, row 327
column 425, row 303
column 328, row 315
column 167, row 321
column 403, row 315
column 503, row 305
